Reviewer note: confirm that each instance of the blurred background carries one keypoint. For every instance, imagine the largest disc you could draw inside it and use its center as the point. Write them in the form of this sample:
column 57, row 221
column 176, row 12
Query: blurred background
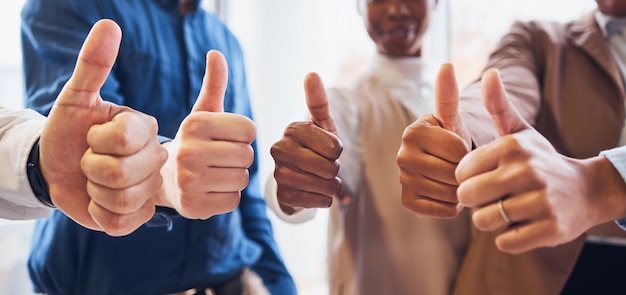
column 283, row 40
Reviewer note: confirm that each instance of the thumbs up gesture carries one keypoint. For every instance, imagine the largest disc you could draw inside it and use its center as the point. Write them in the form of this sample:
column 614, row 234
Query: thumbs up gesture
column 208, row 161
column 306, row 164
column 101, row 161
column 519, row 184
column 431, row 148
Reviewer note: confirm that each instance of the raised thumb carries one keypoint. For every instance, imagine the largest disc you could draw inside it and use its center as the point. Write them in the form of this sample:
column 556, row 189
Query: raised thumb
column 211, row 98
column 317, row 103
column 503, row 113
column 447, row 98
column 95, row 60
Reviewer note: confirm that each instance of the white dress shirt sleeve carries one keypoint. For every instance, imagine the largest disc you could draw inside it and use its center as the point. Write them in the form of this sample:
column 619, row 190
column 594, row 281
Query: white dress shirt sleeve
column 272, row 202
column 617, row 157
column 19, row 130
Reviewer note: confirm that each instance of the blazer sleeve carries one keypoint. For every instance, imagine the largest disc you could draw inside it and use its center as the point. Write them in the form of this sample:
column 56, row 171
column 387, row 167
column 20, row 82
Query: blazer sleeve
column 516, row 58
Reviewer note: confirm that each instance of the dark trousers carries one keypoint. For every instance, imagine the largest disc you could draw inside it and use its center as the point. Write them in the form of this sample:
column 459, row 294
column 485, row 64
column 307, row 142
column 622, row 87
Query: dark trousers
column 600, row 270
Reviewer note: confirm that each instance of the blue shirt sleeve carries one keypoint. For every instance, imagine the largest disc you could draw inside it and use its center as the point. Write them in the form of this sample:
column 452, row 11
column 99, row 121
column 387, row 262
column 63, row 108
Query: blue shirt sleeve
column 617, row 157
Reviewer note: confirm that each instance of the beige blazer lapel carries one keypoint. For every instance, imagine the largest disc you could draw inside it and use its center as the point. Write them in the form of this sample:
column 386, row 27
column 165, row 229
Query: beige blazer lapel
column 586, row 35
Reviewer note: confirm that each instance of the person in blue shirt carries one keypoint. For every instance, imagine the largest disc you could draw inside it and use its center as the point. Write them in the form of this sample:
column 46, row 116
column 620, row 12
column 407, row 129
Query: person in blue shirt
column 159, row 71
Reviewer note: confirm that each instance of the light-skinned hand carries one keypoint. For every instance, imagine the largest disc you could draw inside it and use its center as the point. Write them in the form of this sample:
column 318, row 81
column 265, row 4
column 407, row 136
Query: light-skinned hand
column 101, row 161
column 208, row 161
column 305, row 158
column 431, row 148
column 549, row 198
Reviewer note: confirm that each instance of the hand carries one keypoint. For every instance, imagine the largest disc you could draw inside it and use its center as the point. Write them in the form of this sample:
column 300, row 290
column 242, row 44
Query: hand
column 209, row 158
column 101, row 161
column 430, row 150
column 306, row 164
column 550, row 199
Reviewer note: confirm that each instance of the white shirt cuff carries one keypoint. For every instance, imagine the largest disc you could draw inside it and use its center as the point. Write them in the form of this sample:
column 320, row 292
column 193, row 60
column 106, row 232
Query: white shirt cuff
column 272, row 202
column 19, row 130
column 617, row 157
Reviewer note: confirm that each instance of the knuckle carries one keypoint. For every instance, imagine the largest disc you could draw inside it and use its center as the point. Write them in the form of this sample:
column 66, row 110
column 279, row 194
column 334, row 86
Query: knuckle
column 121, row 138
column 242, row 177
column 409, row 134
column 334, row 171
column 503, row 245
column 247, row 156
column 122, row 202
column 154, row 125
column 281, row 174
column 513, row 147
column 336, row 186
column 287, row 196
column 250, row 130
column 405, row 180
column 407, row 202
column 188, row 205
column 479, row 221
column 278, row 149
column 117, row 226
column 330, row 169
column 336, row 147
column 84, row 163
column 403, row 159
column 232, row 202
column 185, row 180
column 295, row 128
column 162, row 155
column 113, row 175
column 186, row 153
column 192, row 123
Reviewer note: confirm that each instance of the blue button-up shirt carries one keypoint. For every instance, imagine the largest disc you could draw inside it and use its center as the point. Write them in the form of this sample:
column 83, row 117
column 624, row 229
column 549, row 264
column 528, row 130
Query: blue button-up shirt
column 159, row 71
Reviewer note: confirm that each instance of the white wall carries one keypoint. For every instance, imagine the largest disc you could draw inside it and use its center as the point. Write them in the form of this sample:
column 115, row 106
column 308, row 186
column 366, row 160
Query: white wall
column 10, row 57
column 14, row 245
column 477, row 26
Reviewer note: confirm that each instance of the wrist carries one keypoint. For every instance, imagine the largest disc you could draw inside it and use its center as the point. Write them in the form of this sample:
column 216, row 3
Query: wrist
column 607, row 187
column 36, row 178
column 169, row 191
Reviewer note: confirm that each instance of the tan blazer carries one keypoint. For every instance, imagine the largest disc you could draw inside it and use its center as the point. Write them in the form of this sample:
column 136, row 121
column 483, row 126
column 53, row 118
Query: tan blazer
column 564, row 81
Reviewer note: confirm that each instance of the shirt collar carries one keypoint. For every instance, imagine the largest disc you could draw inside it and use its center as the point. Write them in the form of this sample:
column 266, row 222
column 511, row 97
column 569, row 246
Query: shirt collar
column 385, row 67
column 163, row 2
column 602, row 19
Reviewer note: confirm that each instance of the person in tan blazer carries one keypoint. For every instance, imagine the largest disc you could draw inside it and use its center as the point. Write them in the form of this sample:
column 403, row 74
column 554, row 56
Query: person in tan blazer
column 566, row 80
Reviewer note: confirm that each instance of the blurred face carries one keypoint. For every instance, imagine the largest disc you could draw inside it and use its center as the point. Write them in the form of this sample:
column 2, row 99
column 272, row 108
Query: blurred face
column 612, row 7
column 397, row 26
